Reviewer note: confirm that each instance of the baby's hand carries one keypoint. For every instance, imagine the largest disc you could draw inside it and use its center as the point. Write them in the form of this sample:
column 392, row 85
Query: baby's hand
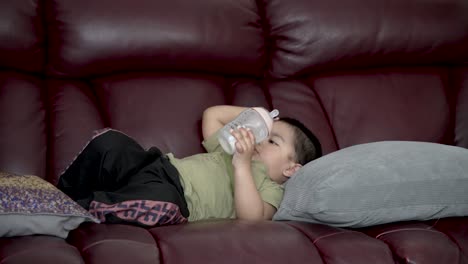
column 245, row 146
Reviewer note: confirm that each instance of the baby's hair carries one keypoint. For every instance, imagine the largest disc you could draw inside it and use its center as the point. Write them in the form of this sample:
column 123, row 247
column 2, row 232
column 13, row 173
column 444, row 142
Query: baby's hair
column 306, row 144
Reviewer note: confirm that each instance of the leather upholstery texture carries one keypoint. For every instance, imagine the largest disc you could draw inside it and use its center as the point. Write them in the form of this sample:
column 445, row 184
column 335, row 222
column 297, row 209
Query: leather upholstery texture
column 353, row 71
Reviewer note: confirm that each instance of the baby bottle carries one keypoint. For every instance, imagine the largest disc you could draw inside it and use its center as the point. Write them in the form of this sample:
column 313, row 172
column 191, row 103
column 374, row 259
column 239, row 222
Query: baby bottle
column 257, row 119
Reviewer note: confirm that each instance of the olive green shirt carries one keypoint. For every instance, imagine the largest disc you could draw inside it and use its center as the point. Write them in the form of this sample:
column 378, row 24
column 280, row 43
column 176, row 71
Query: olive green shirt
column 208, row 182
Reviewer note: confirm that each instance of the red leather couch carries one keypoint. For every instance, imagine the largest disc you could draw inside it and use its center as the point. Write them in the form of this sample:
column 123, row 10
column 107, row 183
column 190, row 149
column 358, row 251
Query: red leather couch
column 353, row 71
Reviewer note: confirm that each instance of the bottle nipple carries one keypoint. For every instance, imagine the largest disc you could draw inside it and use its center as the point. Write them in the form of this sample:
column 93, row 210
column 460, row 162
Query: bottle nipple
column 273, row 114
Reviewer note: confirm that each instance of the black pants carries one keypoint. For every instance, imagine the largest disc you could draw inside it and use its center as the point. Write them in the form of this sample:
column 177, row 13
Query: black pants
column 120, row 182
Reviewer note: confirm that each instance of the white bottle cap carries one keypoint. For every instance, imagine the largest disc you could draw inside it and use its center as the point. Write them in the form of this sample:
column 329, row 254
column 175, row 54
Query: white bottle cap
column 267, row 117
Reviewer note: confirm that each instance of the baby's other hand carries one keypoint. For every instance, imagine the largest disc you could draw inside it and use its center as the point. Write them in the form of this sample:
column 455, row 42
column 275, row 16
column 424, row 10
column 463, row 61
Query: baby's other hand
column 245, row 146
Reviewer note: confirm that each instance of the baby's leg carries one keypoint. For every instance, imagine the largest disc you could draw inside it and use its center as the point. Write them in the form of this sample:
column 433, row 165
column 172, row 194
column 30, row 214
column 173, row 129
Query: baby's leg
column 152, row 197
column 105, row 164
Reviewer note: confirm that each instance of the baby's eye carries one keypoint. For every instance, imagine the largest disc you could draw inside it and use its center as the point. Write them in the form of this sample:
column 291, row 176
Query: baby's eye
column 272, row 142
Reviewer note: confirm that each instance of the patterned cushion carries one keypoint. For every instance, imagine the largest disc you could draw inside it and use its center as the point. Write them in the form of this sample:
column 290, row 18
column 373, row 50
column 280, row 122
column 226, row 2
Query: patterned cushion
column 30, row 205
column 377, row 183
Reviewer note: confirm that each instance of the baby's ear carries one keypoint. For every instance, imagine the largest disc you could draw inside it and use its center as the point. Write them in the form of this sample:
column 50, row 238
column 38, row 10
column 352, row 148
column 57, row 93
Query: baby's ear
column 289, row 172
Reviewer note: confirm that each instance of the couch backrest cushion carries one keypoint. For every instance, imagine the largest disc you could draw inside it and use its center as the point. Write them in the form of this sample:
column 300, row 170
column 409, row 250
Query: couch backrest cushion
column 388, row 104
column 22, row 35
column 98, row 37
column 23, row 128
column 307, row 36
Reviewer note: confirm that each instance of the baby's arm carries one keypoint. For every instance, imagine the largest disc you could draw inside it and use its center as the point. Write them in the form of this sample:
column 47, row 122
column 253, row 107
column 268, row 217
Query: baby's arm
column 248, row 202
column 215, row 117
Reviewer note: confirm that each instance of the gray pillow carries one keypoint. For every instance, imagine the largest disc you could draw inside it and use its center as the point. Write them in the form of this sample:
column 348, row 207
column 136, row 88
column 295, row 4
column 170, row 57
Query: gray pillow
column 377, row 183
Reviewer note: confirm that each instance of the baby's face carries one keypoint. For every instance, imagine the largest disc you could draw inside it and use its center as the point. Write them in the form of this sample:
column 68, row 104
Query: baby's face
column 277, row 151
